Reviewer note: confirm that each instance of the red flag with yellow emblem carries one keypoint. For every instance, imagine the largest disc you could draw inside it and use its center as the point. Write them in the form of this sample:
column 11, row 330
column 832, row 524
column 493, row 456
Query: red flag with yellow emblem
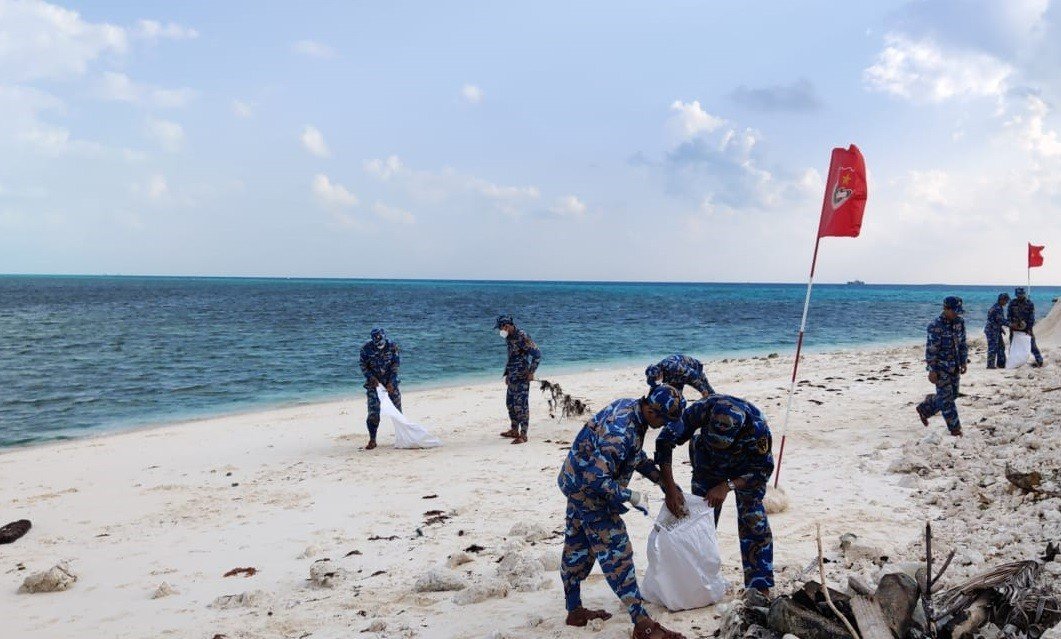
column 845, row 194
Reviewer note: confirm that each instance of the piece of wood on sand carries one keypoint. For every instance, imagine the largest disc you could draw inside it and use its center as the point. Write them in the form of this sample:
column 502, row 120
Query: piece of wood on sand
column 870, row 618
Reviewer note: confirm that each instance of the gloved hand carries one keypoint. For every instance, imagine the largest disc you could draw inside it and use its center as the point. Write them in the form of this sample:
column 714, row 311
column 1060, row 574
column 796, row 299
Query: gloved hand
column 639, row 501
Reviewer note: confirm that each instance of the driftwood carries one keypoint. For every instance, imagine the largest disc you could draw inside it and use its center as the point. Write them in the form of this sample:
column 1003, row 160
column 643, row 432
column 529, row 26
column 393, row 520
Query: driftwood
column 561, row 402
column 870, row 618
column 1029, row 482
column 825, row 587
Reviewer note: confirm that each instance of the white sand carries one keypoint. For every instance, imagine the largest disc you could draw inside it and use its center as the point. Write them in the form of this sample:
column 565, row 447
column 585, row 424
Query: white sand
column 278, row 490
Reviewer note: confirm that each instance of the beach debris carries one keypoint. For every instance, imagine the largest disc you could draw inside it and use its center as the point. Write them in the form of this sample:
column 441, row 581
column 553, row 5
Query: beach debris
column 430, row 497
column 475, row 548
column 325, row 573
column 352, row 553
column 378, row 538
column 56, row 579
column 10, row 533
column 776, row 500
column 459, row 558
column 560, row 402
column 163, row 590
column 435, row 517
column 377, row 625
column 246, row 572
column 249, row 599
column 439, row 580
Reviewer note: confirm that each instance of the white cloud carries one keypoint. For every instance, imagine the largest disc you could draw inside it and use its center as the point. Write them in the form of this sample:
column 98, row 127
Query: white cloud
column 472, row 94
column 332, row 194
column 690, row 120
column 313, row 141
column 383, row 169
column 44, row 41
column 119, row 87
column 169, row 135
column 448, row 184
column 922, row 71
column 1031, row 130
column 392, row 214
column 568, row 206
column 241, row 109
column 157, row 188
column 313, row 49
column 154, row 30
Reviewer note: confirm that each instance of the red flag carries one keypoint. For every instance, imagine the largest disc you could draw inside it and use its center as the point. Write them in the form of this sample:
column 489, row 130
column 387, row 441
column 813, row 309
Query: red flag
column 1035, row 255
column 845, row 194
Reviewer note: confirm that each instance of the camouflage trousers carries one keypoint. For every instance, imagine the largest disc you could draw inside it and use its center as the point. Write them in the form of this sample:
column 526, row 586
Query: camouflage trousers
column 373, row 408
column 753, row 528
column 996, row 349
column 517, row 399
column 943, row 401
column 599, row 537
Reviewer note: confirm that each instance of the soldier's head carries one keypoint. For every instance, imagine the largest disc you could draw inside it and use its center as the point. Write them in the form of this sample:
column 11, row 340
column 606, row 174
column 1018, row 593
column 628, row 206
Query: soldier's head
column 663, row 405
column 379, row 337
column 1003, row 298
column 1020, row 292
column 505, row 324
column 952, row 307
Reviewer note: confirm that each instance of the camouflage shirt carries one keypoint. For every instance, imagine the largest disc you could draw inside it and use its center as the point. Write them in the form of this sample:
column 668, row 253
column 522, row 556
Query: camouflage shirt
column 678, row 370
column 945, row 349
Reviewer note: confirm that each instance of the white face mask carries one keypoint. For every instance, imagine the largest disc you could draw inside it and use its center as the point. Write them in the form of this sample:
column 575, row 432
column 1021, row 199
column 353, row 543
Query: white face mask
column 504, row 333
column 380, row 345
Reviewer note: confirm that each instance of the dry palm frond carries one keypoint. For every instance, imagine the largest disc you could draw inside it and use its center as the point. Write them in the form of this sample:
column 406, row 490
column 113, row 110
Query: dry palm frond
column 561, row 402
column 1010, row 583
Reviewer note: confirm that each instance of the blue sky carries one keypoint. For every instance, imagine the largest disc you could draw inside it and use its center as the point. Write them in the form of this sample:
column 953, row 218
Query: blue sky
column 619, row 141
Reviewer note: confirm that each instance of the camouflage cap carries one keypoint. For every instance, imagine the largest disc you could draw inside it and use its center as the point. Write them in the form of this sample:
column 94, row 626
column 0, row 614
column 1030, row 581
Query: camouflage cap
column 502, row 320
column 667, row 401
column 1020, row 291
column 378, row 334
column 953, row 303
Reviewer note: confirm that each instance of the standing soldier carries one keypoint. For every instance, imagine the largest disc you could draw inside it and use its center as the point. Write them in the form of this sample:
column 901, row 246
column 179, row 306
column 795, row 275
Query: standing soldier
column 1021, row 316
column 603, row 458
column 945, row 357
column 996, row 344
column 379, row 364
column 523, row 359
column 677, row 371
column 731, row 453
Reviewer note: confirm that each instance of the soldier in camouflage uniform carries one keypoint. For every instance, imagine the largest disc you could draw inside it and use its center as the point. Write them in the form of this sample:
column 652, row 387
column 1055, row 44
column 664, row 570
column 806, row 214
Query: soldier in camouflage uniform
column 523, row 359
column 996, row 344
column 946, row 355
column 379, row 364
column 730, row 452
column 1021, row 316
column 594, row 479
column 677, row 371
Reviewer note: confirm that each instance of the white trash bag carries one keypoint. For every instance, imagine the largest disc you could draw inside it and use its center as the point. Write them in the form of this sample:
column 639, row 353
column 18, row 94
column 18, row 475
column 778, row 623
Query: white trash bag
column 407, row 434
column 1020, row 350
column 684, row 565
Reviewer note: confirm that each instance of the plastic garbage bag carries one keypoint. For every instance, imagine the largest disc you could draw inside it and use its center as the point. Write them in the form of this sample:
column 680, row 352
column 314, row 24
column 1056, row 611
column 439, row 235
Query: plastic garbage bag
column 684, row 565
column 407, row 433
column 1020, row 350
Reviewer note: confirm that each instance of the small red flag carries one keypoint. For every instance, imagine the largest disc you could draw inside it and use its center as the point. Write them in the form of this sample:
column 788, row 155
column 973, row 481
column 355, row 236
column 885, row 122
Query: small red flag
column 1035, row 255
column 845, row 194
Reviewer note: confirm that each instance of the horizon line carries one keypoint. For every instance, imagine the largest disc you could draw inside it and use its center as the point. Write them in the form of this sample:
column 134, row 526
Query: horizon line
column 493, row 281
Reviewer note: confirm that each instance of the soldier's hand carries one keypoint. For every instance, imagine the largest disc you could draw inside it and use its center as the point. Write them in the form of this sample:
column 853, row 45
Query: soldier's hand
column 717, row 495
column 676, row 503
column 963, row 369
column 530, row 377
column 933, row 377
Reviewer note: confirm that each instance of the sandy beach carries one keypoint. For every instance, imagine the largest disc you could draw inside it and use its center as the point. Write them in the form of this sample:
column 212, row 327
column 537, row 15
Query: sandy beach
column 279, row 490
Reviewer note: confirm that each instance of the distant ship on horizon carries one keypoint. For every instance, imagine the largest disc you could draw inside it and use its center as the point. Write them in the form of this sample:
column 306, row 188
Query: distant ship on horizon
column 856, row 283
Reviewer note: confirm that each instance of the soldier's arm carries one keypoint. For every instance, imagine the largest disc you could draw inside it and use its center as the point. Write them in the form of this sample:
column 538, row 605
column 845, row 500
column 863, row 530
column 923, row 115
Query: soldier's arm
column 366, row 369
column 532, row 351
column 700, row 383
column 647, row 468
column 599, row 475
column 963, row 348
column 1031, row 316
column 396, row 361
column 931, row 349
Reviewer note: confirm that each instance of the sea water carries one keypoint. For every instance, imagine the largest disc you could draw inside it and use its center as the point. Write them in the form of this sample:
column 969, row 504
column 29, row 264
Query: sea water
column 84, row 354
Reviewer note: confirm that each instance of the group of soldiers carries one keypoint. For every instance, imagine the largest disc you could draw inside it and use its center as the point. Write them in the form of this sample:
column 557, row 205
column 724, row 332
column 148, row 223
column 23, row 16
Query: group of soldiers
column 730, row 449
column 947, row 355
